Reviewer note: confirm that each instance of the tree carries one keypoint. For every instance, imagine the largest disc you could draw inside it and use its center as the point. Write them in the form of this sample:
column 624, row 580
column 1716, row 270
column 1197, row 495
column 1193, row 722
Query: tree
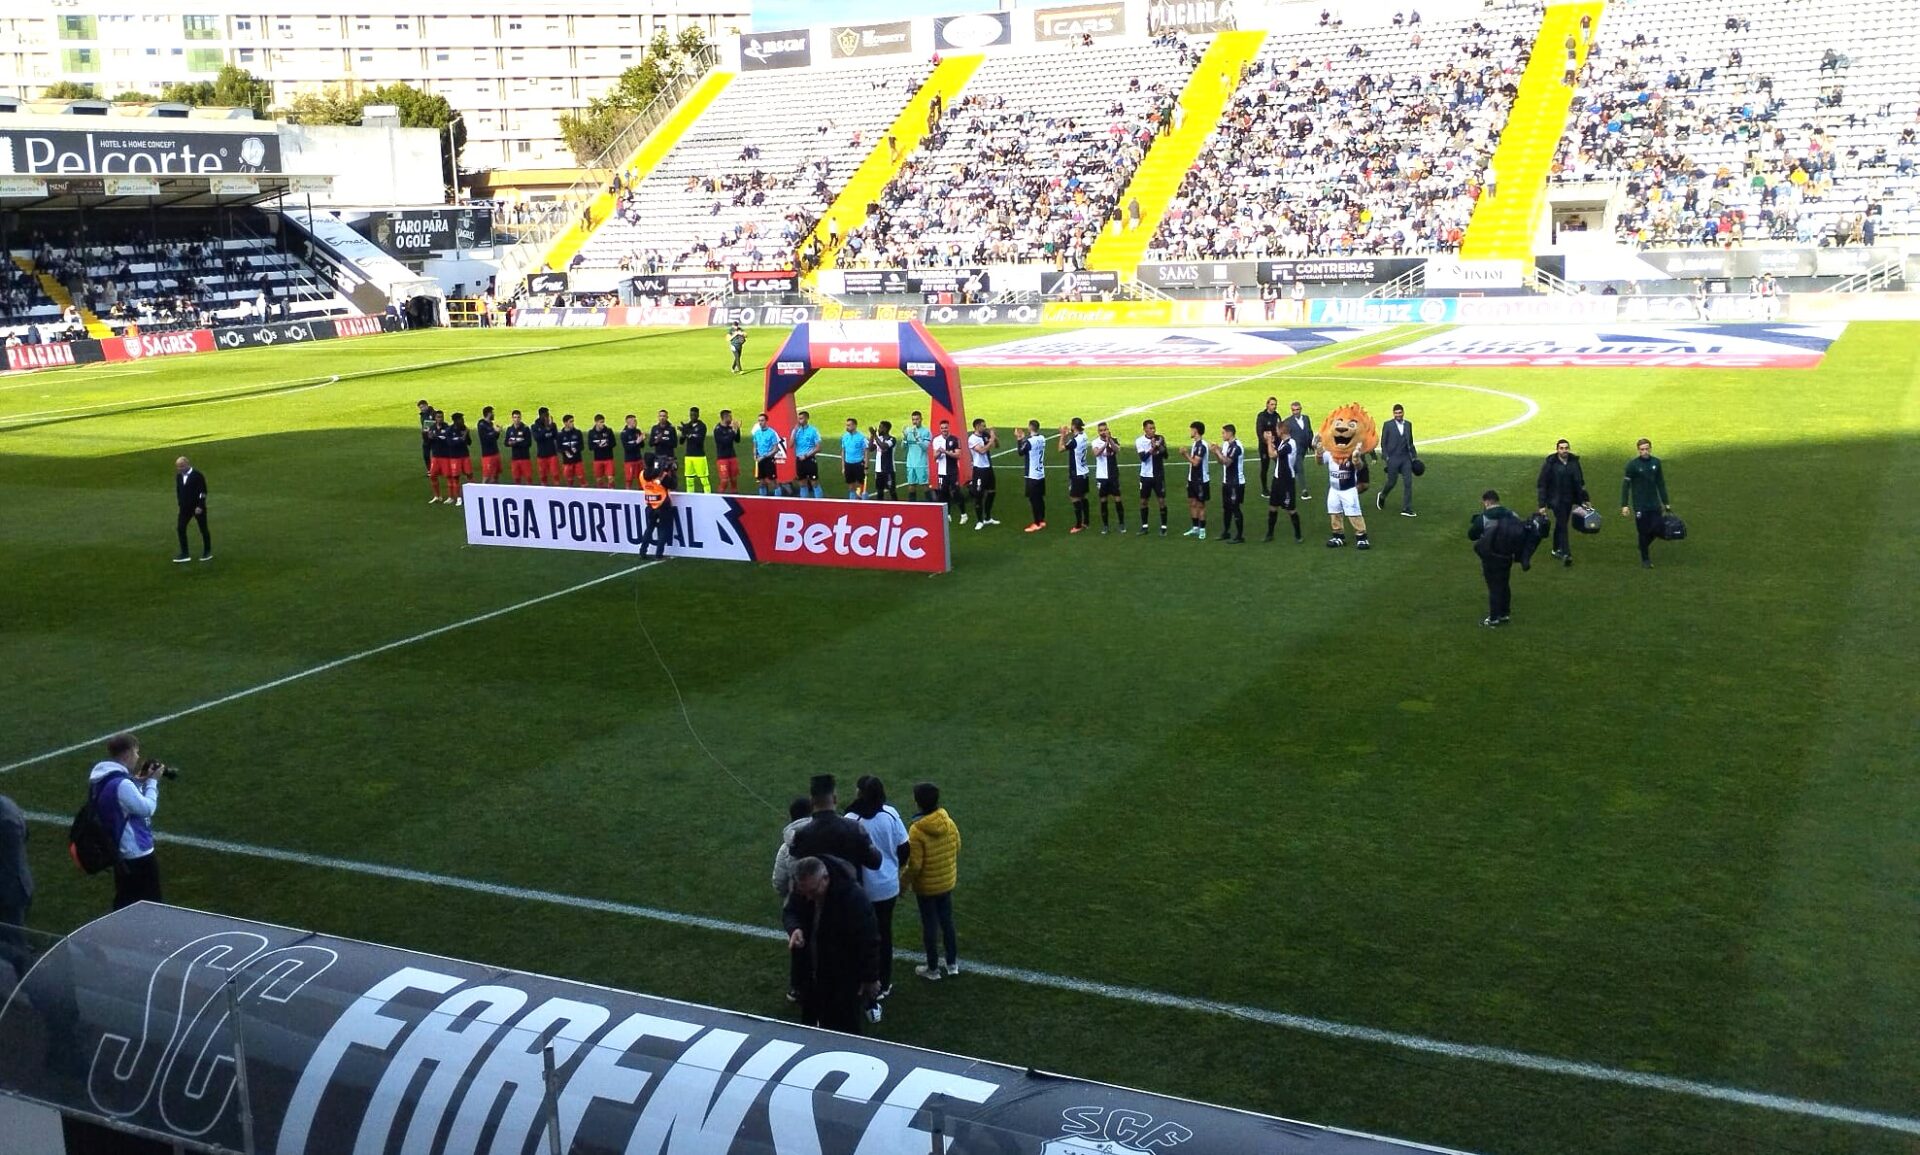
column 69, row 90
column 592, row 131
column 327, row 107
column 132, row 97
column 417, row 109
column 235, row 87
column 194, row 92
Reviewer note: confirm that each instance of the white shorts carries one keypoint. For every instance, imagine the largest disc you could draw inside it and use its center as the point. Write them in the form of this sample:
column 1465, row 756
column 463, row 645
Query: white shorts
column 1346, row 501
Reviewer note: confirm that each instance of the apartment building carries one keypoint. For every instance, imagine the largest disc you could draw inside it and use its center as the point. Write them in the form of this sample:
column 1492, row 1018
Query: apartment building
column 511, row 67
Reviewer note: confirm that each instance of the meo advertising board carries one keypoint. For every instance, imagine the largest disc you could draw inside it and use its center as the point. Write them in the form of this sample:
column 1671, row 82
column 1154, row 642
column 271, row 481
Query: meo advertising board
column 886, row 535
column 1617, row 346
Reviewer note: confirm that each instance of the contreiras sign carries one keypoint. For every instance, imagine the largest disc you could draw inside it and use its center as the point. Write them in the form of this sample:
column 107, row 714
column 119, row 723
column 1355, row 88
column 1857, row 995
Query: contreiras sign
column 143, row 151
column 351, row 1046
column 763, row 50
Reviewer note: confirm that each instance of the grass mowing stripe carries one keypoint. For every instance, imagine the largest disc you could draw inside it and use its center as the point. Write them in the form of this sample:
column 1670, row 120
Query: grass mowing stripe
column 325, row 666
column 1497, row 1056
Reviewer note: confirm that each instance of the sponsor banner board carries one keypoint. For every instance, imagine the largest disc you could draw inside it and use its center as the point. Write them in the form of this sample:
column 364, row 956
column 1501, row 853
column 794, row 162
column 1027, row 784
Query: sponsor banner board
column 751, row 315
column 1249, row 312
column 566, row 317
column 983, row 314
column 1582, row 310
column 973, row 31
column 149, row 345
column 1077, row 20
column 850, row 40
column 676, row 284
column 875, row 281
column 1852, row 306
column 353, row 1046
column 1197, row 16
column 659, row 316
column 1381, row 310
column 1066, row 284
column 14, row 186
column 54, row 355
column 422, row 232
column 761, row 51
column 1157, row 348
column 130, row 186
column 1336, row 270
column 1106, row 313
column 1455, row 273
column 358, row 326
column 144, row 147
column 1699, row 346
column 1199, row 274
column 233, row 186
column 546, row 283
column 907, row 536
column 1685, row 307
column 765, row 280
column 859, row 281
column 275, row 333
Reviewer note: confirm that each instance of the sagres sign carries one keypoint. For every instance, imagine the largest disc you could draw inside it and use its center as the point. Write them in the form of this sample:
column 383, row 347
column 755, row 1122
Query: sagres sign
column 355, row 1047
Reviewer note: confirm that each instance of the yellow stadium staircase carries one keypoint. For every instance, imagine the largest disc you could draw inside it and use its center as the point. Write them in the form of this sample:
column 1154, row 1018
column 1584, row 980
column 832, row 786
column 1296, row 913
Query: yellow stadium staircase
column 644, row 160
column 849, row 208
column 1157, row 181
column 57, row 293
column 1503, row 224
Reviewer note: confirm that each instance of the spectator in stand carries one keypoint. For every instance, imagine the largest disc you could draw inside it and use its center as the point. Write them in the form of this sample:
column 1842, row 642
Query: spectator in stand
column 932, row 872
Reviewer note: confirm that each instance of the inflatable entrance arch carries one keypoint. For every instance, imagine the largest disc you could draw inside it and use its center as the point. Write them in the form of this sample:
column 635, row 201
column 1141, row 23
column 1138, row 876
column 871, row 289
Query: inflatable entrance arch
column 902, row 346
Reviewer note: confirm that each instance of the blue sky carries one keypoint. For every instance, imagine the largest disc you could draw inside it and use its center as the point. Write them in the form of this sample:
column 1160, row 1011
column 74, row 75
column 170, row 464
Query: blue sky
column 770, row 15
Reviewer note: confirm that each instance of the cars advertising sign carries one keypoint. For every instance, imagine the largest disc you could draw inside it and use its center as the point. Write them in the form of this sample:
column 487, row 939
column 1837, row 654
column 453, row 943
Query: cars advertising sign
column 761, row 51
column 160, row 1020
column 1075, row 21
column 146, row 150
column 973, row 31
column 850, row 40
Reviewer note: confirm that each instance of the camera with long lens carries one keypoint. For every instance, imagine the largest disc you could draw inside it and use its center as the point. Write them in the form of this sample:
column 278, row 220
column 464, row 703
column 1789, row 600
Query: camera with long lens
column 153, row 767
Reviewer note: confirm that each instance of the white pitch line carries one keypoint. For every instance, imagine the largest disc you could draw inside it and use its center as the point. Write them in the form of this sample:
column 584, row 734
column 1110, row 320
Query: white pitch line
column 1532, row 406
column 1305, row 1024
column 325, row 666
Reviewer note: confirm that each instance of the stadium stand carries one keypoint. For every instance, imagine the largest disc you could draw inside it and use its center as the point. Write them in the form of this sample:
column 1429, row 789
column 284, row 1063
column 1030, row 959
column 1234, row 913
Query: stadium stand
column 1366, row 139
column 750, row 177
column 1028, row 165
column 1771, row 119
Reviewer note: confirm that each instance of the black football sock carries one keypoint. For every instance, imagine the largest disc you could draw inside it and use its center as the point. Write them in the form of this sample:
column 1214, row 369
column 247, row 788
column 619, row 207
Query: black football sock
column 1163, row 517
column 1273, row 519
column 1103, row 514
column 1295, row 518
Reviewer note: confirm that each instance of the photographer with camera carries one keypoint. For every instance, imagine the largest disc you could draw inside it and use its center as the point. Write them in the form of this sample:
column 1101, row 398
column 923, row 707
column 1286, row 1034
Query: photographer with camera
column 124, row 791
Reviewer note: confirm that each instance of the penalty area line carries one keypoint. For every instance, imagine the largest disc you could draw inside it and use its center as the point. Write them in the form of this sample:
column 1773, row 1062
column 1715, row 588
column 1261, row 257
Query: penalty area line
column 1141, row 996
column 323, row 667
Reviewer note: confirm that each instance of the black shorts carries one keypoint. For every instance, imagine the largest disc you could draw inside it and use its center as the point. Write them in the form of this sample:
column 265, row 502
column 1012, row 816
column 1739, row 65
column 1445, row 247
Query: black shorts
column 1036, row 486
column 1198, row 490
column 1155, row 486
column 1232, row 493
column 807, row 468
column 946, row 487
column 1109, row 487
column 856, row 473
column 1077, row 486
column 1280, row 496
column 983, row 481
column 766, row 468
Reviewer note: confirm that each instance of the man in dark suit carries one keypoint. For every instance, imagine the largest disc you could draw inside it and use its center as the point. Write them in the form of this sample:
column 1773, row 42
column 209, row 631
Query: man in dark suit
column 190, row 490
column 1396, row 445
column 1560, row 487
column 830, row 924
column 16, row 888
column 830, row 832
column 1266, row 431
column 1298, row 428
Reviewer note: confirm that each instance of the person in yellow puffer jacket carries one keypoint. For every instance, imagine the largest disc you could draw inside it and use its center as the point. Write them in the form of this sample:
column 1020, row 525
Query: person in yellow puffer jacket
column 931, row 872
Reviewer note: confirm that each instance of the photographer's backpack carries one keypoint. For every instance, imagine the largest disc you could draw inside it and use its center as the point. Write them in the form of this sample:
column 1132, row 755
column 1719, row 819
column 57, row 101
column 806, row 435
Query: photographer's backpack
column 93, row 846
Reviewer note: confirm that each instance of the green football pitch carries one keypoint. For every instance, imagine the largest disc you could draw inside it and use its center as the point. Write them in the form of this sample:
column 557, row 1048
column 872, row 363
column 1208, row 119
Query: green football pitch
column 1276, row 826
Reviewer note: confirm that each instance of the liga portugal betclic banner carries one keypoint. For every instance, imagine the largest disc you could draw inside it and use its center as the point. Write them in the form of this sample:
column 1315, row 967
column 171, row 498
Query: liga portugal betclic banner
column 887, row 535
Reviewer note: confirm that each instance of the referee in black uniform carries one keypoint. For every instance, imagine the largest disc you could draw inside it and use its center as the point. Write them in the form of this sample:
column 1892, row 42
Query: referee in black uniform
column 190, row 490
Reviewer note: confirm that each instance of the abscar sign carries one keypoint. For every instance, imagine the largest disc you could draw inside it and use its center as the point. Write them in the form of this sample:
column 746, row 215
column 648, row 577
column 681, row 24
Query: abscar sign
column 790, row 531
column 143, row 151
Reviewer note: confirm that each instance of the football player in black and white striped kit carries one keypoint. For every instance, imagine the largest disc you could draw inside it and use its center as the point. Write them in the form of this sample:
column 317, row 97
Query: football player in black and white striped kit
column 980, row 446
column 1073, row 442
column 1033, row 454
column 1199, row 479
column 1233, row 486
column 882, row 440
column 1106, row 475
column 1281, row 491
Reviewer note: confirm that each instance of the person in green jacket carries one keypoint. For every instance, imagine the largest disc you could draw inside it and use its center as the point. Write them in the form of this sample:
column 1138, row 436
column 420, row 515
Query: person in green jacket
column 1643, row 497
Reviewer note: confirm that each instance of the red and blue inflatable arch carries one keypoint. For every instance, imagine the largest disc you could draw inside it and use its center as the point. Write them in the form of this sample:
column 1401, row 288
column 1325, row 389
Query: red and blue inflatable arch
column 902, row 346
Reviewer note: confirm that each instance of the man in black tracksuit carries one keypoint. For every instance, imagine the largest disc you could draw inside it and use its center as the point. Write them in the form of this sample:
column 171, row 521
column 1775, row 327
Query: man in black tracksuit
column 830, row 924
column 190, row 491
column 1559, row 488
column 1643, row 497
column 831, row 832
column 1494, row 542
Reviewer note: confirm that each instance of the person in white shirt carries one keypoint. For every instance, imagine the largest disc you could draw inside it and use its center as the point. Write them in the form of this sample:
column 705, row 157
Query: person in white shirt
column 1152, row 449
column 124, row 791
column 1233, row 486
column 980, row 446
column 1033, row 457
column 1106, row 476
column 1073, row 442
column 1199, row 479
column 888, row 833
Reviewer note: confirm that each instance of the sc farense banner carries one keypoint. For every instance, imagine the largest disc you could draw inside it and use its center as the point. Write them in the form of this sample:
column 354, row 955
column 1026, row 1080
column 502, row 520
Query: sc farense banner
column 888, row 535
column 352, row 1046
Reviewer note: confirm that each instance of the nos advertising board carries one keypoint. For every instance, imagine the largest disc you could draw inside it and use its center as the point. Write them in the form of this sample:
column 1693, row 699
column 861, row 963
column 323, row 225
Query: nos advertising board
column 145, row 150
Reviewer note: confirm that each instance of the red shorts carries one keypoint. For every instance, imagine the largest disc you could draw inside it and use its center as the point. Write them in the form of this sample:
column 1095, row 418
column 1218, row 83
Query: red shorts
column 522, row 469
column 729, row 467
column 463, row 466
column 636, row 470
column 437, row 467
column 603, row 469
column 490, row 467
column 575, row 472
column 549, row 469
